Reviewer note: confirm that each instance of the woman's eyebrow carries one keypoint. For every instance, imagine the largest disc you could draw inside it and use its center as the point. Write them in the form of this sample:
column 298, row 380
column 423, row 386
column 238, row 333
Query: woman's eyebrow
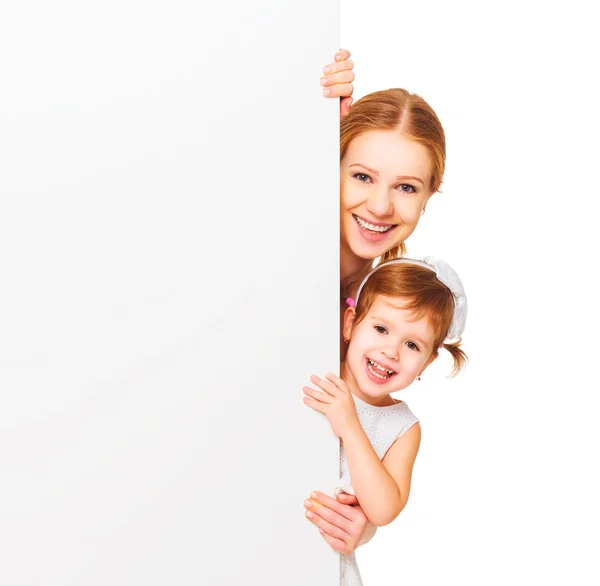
column 405, row 177
column 376, row 173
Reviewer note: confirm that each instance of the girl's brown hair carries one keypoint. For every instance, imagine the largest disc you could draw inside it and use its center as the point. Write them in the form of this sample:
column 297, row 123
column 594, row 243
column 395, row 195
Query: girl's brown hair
column 423, row 293
column 409, row 114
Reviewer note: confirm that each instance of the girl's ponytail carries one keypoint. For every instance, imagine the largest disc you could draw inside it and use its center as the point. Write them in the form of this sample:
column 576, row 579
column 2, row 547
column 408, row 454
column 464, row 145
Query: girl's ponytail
column 458, row 355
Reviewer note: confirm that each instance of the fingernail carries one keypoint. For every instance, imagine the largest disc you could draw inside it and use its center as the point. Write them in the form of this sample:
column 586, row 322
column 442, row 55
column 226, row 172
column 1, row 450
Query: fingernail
column 321, row 530
column 308, row 503
column 350, row 102
column 309, row 514
column 326, row 92
column 326, row 69
column 314, row 494
column 338, row 57
column 323, row 81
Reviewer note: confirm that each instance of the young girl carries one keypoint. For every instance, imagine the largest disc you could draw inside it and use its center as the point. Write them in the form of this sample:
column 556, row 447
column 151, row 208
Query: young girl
column 403, row 313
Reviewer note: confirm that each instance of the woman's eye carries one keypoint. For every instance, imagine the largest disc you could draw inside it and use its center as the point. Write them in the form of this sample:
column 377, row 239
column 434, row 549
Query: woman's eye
column 412, row 346
column 406, row 188
column 362, row 177
column 381, row 329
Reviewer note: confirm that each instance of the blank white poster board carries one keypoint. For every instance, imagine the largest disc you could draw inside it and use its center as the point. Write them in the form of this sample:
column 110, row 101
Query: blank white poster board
column 168, row 282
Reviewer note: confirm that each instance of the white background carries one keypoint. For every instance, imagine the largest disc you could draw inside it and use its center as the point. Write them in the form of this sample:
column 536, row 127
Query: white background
column 506, row 484
column 168, row 281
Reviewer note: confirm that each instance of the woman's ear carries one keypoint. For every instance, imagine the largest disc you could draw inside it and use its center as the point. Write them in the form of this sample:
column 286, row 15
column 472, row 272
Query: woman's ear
column 425, row 203
column 349, row 317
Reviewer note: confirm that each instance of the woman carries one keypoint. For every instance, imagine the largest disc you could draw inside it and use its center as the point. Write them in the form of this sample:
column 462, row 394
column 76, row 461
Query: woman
column 392, row 159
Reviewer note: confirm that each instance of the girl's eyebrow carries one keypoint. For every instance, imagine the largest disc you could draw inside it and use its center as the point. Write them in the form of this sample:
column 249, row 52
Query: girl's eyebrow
column 417, row 338
column 378, row 319
column 398, row 178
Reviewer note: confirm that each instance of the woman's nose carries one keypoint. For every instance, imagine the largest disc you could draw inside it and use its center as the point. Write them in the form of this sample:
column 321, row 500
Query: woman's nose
column 380, row 203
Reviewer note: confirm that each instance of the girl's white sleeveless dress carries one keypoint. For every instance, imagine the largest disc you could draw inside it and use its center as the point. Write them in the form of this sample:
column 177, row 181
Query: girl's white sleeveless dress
column 383, row 426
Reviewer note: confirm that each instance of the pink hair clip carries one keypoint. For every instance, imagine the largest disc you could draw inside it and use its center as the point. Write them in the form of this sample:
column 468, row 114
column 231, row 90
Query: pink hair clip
column 350, row 302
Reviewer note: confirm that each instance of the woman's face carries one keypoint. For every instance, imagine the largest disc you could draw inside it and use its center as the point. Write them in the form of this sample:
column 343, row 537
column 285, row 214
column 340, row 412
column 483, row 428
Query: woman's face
column 384, row 186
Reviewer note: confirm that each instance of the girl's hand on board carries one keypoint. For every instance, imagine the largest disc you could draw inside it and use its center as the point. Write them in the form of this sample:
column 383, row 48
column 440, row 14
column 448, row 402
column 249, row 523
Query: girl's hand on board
column 337, row 80
column 341, row 521
column 335, row 401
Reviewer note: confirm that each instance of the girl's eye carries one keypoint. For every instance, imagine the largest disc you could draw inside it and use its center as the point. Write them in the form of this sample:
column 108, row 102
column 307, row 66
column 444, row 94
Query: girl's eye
column 381, row 329
column 412, row 346
column 363, row 177
column 406, row 188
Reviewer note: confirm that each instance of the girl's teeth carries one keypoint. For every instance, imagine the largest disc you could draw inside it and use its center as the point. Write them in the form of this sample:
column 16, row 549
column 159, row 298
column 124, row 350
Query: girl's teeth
column 372, row 227
column 372, row 365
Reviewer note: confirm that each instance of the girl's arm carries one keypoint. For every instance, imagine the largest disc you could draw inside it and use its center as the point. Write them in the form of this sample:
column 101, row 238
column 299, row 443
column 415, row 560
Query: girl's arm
column 382, row 487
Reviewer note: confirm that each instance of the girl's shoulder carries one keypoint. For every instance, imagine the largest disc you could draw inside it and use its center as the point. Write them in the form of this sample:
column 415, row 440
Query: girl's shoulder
column 406, row 417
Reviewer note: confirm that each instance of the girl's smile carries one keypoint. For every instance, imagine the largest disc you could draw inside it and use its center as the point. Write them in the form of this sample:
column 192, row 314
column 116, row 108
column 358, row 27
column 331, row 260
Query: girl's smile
column 377, row 372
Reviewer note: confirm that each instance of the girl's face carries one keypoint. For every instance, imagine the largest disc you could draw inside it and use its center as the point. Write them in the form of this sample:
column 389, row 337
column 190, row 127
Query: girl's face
column 388, row 349
column 384, row 186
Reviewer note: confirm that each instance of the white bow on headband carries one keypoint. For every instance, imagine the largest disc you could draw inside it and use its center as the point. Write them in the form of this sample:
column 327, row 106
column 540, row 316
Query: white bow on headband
column 447, row 275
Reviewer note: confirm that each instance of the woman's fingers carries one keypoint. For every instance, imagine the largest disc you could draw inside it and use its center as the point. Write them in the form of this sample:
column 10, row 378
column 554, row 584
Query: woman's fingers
column 342, row 55
column 338, row 67
column 347, row 499
column 314, row 516
column 338, row 90
column 337, row 79
column 341, row 62
column 341, row 525
column 335, row 512
column 345, row 76
column 345, row 104
column 338, row 545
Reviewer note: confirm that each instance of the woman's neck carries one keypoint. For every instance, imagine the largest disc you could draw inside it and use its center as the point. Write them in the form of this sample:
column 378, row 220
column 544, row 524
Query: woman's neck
column 353, row 269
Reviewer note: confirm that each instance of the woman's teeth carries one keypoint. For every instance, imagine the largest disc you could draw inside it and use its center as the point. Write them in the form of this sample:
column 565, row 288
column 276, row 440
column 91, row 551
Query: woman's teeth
column 372, row 227
column 378, row 370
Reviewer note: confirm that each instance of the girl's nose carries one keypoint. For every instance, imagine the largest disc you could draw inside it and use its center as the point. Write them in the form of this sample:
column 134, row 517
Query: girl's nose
column 392, row 352
column 380, row 203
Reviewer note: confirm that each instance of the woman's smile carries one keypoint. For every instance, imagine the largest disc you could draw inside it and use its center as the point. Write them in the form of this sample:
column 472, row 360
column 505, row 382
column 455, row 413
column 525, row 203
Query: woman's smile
column 373, row 231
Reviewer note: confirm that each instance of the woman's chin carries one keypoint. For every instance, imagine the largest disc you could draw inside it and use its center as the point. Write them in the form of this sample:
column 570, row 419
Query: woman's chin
column 370, row 251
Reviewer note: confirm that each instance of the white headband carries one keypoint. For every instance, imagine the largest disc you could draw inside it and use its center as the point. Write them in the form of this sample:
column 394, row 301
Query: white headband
column 447, row 275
